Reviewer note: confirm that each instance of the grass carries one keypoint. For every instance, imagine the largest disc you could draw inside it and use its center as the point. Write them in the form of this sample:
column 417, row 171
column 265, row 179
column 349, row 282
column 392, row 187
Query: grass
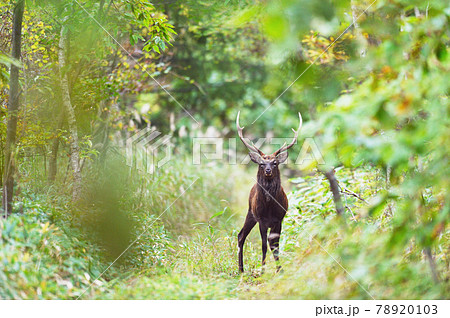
column 52, row 250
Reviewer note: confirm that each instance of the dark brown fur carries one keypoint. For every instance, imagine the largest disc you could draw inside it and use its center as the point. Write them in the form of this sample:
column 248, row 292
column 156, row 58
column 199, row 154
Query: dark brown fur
column 267, row 207
column 267, row 201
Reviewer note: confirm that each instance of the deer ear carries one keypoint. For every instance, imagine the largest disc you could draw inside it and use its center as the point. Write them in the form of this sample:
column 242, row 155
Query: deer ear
column 282, row 157
column 256, row 157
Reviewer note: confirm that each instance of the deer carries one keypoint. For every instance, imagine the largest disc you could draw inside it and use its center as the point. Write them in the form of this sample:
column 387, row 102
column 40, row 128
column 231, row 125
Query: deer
column 267, row 202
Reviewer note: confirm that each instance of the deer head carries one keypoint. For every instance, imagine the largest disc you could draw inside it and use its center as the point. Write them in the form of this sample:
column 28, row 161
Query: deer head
column 268, row 164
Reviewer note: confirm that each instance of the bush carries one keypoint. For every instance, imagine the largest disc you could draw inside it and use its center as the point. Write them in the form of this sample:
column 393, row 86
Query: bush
column 39, row 260
column 315, row 244
column 53, row 249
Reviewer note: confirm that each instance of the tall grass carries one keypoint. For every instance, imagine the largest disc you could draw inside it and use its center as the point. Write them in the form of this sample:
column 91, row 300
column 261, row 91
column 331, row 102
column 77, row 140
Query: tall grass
column 179, row 229
column 148, row 215
column 324, row 257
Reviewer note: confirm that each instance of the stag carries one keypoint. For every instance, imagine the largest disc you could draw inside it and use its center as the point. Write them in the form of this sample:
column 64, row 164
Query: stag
column 267, row 201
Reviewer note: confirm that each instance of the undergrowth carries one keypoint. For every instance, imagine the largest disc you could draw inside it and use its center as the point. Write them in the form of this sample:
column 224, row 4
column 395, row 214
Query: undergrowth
column 186, row 248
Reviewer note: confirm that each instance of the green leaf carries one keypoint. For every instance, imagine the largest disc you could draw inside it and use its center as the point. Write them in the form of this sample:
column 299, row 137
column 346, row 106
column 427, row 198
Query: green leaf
column 218, row 213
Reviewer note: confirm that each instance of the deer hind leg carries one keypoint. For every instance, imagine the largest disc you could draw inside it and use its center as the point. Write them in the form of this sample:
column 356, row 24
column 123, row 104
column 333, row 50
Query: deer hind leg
column 274, row 239
column 248, row 226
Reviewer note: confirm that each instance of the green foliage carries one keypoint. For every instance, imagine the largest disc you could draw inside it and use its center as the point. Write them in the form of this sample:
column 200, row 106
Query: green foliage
column 323, row 258
column 39, row 260
column 311, row 269
column 80, row 242
column 397, row 117
column 312, row 196
column 6, row 62
column 90, row 47
column 214, row 63
column 171, row 285
column 373, row 95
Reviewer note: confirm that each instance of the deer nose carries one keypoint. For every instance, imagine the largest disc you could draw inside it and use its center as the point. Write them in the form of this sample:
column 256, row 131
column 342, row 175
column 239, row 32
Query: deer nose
column 268, row 171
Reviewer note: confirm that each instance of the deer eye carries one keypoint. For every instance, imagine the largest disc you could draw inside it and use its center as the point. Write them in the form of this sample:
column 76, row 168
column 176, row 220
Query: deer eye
column 275, row 163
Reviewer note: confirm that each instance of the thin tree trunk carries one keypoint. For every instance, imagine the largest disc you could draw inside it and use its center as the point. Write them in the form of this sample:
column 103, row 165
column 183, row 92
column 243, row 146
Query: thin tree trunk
column 53, row 160
column 13, row 108
column 432, row 264
column 2, row 166
column 334, row 186
column 74, row 148
column 44, row 154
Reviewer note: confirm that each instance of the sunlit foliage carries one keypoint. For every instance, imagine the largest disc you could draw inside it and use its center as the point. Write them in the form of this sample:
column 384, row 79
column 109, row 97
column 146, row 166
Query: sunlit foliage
column 371, row 79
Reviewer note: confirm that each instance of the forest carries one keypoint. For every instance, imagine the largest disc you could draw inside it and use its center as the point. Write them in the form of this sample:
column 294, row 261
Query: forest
column 123, row 175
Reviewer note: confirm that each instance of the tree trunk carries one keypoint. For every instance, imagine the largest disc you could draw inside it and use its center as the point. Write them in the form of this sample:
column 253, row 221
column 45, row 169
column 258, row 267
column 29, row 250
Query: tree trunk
column 434, row 272
column 335, row 190
column 13, row 108
column 53, row 160
column 74, row 148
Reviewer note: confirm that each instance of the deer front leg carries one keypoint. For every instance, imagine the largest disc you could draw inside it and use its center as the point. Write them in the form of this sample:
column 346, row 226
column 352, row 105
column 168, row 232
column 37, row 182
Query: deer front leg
column 248, row 226
column 263, row 230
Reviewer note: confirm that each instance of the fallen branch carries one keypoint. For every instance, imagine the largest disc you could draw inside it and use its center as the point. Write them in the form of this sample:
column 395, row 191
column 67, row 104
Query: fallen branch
column 346, row 191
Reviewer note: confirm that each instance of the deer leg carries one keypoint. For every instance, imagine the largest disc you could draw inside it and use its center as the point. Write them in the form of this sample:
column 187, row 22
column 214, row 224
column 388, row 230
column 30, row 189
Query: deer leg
column 274, row 239
column 263, row 230
column 248, row 226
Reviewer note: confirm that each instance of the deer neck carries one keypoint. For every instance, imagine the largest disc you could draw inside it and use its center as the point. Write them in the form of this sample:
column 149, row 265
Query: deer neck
column 269, row 187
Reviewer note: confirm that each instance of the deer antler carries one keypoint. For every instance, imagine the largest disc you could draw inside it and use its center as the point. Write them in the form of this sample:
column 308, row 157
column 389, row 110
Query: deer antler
column 251, row 147
column 284, row 147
